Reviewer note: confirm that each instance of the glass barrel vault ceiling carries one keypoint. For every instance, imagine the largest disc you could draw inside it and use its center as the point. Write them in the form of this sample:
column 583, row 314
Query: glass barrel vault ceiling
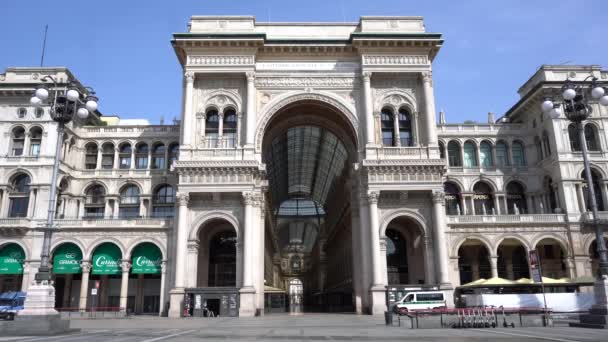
column 303, row 163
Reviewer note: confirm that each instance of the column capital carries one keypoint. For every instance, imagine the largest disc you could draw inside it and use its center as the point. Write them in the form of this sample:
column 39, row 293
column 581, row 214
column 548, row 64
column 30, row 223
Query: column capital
column 372, row 197
column 427, row 77
column 183, row 198
column 189, row 76
column 193, row 246
column 86, row 266
column 248, row 197
column 438, row 196
column 250, row 76
column 126, row 266
column 366, row 75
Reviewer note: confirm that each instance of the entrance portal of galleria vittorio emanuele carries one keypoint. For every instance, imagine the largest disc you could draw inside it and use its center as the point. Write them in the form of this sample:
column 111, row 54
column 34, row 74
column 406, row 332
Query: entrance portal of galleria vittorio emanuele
column 309, row 163
column 319, row 155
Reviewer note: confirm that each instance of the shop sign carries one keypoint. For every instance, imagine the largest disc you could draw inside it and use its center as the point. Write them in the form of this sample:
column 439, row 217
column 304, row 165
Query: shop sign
column 146, row 259
column 66, row 259
column 11, row 259
column 106, row 260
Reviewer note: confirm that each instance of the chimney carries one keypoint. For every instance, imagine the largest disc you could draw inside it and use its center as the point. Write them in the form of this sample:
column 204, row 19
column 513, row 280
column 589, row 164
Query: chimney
column 442, row 117
column 491, row 118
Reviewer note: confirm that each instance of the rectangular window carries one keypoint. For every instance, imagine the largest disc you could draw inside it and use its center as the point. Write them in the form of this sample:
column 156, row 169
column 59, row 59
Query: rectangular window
column 107, row 162
column 165, row 211
column 90, row 162
column 128, row 212
column 18, row 147
column 125, row 162
column 35, row 149
column 141, row 162
column 18, row 207
column 158, row 163
column 426, row 297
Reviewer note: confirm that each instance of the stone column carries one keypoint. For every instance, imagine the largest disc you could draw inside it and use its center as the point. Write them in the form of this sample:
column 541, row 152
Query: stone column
column 494, row 265
column 396, row 129
column 177, row 294
column 415, row 125
column 187, row 118
column 529, row 204
column 98, row 166
column 26, row 144
column 581, row 197
column 250, row 108
column 506, row 204
column 67, row 290
column 239, row 125
column 116, row 162
column 429, row 107
column 132, row 166
column 124, row 285
column 364, row 247
column 192, row 261
column 5, row 202
column 429, row 266
column 509, row 267
column 239, row 262
column 439, row 237
column 84, row 285
column 247, row 292
column 368, row 108
column 378, row 288
column 497, row 206
column 163, row 277
column 220, row 130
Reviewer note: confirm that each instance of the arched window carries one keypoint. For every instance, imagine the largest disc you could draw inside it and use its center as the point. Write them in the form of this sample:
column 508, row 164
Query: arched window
column 405, row 128
column 483, row 199
column 35, row 141
column 229, row 131
column 212, row 125
column 18, row 140
column 591, row 138
column 124, row 154
column 158, row 156
column 90, row 159
column 502, row 154
column 388, row 127
column 516, row 198
column 470, row 154
column 173, row 153
column 95, row 201
column 163, row 203
column 452, row 199
column 485, row 154
column 546, row 144
column 107, row 156
column 222, row 259
column 574, row 138
column 19, row 196
column 518, row 155
column 396, row 258
column 141, row 156
column 129, row 202
column 441, row 150
column 454, row 154
column 595, row 178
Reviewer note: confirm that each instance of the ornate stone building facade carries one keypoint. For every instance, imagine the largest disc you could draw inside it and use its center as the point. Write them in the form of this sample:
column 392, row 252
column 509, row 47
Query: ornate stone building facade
column 308, row 160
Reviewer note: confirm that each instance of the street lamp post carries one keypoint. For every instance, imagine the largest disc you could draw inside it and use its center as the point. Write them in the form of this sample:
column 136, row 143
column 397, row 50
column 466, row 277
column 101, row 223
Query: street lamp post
column 65, row 103
column 574, row 103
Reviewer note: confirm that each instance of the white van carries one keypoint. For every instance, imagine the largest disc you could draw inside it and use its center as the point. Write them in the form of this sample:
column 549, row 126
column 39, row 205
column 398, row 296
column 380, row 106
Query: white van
column 419, row 301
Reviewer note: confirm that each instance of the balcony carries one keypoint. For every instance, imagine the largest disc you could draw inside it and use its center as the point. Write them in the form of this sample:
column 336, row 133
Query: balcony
column 115, row 222
column 16, row 224
column 506, row 219
column 400, row 153
column 587, row 218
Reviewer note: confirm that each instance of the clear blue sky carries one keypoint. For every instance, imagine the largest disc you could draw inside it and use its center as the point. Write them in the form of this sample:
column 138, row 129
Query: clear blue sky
column 123, row 50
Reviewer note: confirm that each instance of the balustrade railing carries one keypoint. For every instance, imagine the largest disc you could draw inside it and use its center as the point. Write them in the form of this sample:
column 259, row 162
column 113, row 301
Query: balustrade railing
column 528, row 218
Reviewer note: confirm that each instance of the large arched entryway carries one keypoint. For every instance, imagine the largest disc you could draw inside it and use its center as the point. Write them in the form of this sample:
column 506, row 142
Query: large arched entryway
column 217, row 255
column 67, row 274
column 406, row 250
column 12, row 257
column 307, row 148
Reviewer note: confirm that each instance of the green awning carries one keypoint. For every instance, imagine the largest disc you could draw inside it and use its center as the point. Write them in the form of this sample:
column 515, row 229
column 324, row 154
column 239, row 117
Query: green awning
column 146, row 259
column 106, row 259
column 66, row 259
column 11, row 259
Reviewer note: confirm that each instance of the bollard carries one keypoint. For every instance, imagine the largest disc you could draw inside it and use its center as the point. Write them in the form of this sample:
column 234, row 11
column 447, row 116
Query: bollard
column 388, row 318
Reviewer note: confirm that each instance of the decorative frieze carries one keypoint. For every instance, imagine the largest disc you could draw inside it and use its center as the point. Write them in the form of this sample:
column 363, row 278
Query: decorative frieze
column 301, row 82
column 243, row 60
column 395, row 60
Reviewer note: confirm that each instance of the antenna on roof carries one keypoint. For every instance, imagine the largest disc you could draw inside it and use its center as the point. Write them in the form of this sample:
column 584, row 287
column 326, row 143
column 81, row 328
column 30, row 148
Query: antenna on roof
column 46, row 28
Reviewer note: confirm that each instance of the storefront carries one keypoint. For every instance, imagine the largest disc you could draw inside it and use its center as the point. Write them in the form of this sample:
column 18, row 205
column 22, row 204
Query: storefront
column 145, row 279
column 67, row 276
column 11, row 267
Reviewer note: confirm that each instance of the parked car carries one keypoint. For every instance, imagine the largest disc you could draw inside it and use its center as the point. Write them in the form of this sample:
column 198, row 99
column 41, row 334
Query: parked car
column 10, row 304
column 413, row 301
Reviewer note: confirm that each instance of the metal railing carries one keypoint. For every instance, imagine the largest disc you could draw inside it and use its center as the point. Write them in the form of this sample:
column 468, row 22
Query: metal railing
column 528, row 218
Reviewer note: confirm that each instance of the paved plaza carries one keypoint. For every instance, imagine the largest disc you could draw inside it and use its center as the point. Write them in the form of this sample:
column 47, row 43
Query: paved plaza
column 309, row 327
